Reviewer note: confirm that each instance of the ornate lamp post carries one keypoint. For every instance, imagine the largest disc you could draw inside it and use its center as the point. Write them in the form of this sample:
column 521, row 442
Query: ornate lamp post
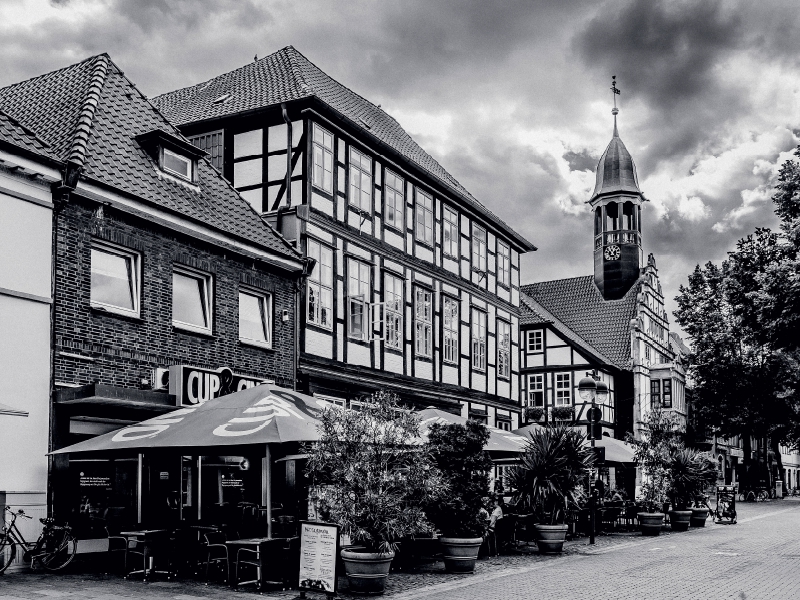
column 591, row 390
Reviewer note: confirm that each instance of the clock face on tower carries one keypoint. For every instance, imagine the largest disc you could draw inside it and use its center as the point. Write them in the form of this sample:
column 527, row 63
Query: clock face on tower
column 611, row 252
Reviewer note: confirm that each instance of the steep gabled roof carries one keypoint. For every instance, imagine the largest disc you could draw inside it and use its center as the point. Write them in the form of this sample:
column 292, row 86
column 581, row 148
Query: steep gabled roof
column 534, row 313
column 90, row 114
column 576, row 303
column 15, row 133
column 287, row 75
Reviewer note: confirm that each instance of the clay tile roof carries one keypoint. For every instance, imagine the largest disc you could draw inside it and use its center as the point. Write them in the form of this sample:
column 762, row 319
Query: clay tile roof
column 90, row 113
column 15, row 133
column 287, row 75
column 576, row 303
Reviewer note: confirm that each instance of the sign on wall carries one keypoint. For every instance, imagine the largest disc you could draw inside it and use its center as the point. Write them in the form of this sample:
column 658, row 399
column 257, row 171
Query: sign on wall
column 195, row 385
column 319, row 547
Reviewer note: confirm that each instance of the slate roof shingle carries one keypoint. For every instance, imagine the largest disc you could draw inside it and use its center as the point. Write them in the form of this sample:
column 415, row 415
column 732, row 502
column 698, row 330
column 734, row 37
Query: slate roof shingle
column 578, row 305
column 287, row 75
column 91, row 113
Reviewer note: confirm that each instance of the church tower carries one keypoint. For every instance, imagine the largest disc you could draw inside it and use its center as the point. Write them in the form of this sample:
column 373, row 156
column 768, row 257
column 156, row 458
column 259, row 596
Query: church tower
column 617, row 205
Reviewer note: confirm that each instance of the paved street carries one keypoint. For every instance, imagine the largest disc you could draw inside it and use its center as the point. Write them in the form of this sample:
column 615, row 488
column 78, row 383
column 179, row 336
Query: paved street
column 757, row 558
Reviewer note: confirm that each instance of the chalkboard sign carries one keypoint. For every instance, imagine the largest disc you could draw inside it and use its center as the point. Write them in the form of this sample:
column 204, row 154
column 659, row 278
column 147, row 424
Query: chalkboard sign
column 319, row 547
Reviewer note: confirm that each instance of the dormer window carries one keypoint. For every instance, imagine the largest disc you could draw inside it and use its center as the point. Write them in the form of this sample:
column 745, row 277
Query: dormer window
column 173, row 154
column 177, row 165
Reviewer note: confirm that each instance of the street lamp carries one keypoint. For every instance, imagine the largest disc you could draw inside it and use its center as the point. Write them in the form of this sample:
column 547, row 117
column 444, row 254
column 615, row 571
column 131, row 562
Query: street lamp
column 590, row 390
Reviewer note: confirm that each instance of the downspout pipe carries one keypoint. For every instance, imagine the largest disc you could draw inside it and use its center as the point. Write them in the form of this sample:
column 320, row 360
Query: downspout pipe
column 288, row 122
column 61, row 192
column 308, row 268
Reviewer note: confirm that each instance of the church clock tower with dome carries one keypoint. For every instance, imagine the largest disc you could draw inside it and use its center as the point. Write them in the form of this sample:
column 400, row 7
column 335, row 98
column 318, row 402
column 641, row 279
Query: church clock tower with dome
column 617, row 205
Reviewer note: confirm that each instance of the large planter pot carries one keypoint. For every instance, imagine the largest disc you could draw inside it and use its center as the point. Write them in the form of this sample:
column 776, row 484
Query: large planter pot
column 550, row 538
column 366, row 571
column 650, row 523
column 679, row 519
column 699, row 516
column 460, row 554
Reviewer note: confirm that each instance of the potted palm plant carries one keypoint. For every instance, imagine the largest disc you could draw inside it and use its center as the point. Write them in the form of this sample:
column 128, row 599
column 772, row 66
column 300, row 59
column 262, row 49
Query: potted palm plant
column 548, row 480
column 457, row 451
column 373, row 476
column 652, row 454
column 690, row 471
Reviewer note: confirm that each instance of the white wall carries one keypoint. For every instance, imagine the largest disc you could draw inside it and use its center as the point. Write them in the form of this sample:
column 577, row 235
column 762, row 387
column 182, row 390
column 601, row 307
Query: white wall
column 25, row 271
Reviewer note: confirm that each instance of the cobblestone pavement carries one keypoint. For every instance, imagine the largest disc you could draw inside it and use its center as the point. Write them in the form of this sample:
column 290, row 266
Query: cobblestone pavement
column 757, row 558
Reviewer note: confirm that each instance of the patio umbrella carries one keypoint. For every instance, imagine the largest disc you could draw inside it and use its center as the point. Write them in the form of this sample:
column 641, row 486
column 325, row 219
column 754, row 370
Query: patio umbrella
column 264, row 414
column 499, row 440
column 616, row 450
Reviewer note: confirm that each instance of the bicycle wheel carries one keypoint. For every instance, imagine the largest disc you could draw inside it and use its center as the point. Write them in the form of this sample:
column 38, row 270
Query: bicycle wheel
column 741, row 497
column 8, row 550
column 762, row 495
column 59, row 550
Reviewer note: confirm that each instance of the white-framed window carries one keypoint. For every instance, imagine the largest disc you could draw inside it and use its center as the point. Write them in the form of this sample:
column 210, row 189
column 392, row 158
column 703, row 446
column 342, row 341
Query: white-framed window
column 503, row 264
column 423, row 322
column 191, row 299
column 478, row 340
column 450, row 232
column 478, row 248
column 320, row 285
column 116, row 279
column 503, row 349
column 360, row 180
column 423, row 229
column 535, row 340
column 177, row 164
column 255, row 318
column 503, row 424
column 395, row 200
column 563, row 389
column 322, row 172
column 450, row 330
column 393, row 311
column 536, row 390
column 358, row 287
column 332, row 399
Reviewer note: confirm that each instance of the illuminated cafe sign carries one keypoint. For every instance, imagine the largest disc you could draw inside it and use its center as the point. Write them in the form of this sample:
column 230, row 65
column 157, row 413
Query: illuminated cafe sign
column 194, row 385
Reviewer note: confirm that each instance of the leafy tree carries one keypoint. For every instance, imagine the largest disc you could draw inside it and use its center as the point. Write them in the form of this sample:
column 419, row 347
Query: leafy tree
column 458, row 452
column 744, row 320
column 659, row 439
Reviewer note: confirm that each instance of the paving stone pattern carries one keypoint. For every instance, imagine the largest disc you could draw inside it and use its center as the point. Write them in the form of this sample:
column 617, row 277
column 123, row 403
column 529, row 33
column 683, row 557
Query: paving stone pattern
column 757, row 558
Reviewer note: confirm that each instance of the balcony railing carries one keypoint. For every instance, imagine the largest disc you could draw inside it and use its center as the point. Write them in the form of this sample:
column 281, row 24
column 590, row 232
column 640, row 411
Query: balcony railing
column 616, row 237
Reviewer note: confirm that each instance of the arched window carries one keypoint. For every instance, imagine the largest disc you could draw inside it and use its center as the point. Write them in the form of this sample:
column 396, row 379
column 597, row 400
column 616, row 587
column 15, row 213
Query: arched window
column 627, row 216
column 612, row 216
column 598, row 220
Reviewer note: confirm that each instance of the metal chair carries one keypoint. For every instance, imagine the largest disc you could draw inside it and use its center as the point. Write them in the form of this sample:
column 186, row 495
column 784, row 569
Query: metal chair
column 216, row 553
column 267, row 555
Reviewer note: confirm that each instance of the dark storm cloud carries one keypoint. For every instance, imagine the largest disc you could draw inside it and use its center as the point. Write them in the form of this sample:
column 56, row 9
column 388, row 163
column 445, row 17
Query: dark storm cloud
column 581, row 161
column 668, row 56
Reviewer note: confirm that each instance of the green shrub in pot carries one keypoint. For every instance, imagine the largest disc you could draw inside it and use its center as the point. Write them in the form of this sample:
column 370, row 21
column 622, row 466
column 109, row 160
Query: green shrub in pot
column 458, row 452
column 372, row 475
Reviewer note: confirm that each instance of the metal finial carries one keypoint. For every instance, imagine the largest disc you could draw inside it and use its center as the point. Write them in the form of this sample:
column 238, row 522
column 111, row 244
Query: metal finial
column 614, row 93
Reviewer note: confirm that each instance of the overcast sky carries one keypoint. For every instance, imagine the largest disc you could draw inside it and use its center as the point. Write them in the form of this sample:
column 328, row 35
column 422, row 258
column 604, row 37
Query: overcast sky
column 511, row 97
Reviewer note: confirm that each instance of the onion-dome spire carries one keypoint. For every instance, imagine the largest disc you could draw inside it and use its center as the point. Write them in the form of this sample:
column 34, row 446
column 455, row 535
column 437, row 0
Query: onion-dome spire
column 615, row 171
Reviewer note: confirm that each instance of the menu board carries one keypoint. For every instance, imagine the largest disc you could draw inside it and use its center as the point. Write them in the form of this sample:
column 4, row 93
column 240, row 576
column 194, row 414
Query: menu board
column 319, row 545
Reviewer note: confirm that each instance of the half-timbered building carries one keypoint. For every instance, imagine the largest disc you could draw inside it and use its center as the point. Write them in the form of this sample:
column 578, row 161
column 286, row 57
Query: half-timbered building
column 416, row 284
column 612, row 322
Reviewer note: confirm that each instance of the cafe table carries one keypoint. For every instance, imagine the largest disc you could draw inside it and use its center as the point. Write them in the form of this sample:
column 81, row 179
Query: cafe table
column 257, row 545
column 148, row 538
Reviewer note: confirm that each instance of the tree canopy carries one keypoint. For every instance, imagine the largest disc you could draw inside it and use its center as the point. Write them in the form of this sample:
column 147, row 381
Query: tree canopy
column 744, row 320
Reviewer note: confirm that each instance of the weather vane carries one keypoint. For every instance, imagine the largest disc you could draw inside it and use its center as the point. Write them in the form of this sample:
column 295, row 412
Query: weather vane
column 615, row 92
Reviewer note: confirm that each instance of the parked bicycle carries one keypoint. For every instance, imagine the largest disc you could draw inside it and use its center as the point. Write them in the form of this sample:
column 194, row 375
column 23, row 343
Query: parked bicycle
column 754, row 495
column 54, row 549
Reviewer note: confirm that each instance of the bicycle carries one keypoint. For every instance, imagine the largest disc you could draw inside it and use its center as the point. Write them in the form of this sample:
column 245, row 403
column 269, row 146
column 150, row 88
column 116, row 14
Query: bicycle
column 54, row 549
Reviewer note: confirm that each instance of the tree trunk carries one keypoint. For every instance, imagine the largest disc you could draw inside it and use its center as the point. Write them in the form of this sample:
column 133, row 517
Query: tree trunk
column 747, row 451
